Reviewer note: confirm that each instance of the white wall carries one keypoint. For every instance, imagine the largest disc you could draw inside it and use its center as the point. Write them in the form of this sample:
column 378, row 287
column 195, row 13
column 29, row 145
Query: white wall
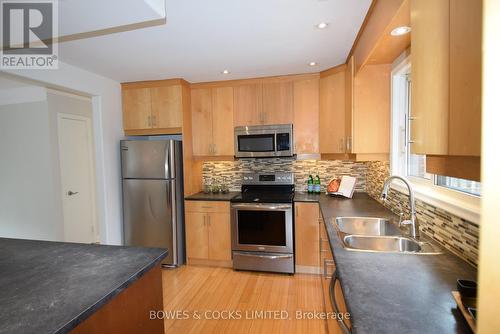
column 30, row 175
column 107, row 121
column 29, row 200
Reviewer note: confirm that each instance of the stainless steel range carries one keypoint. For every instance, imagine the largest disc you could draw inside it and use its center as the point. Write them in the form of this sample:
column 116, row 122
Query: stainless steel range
column 262, row 223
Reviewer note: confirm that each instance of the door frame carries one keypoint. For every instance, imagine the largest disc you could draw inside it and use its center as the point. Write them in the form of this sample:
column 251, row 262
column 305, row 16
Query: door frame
column 90, row 143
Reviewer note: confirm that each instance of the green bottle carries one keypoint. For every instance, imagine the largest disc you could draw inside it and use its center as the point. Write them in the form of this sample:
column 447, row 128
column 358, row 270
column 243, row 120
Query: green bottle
column 310, row 184
column 317, row 185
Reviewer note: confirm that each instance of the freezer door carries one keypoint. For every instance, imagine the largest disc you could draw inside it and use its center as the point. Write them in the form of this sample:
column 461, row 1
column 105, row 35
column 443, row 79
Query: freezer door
column 142, row 159
column 149, row 219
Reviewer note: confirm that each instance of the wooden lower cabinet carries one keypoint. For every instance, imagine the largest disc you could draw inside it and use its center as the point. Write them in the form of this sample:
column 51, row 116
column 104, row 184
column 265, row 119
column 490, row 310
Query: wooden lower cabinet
column 208, row 233
column 306, row 237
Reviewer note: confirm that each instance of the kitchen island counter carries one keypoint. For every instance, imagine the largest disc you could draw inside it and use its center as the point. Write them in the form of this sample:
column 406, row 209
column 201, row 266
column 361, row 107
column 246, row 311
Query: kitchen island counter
column 52, row 287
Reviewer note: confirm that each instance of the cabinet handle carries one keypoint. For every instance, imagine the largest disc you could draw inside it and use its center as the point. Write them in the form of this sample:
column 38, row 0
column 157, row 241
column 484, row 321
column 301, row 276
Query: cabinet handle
column 149, row 121
column 348, row 144
column 209, row 220
column 204, row 220
column 154, row 120
column 214, row 149
column 321, row 250
column 326, row 263
column 341, row 145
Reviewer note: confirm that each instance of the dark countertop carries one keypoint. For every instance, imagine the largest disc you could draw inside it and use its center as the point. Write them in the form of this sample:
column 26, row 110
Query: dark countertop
column 201, row 196
column 51, row 287
column 306, row 197
column 394, row 293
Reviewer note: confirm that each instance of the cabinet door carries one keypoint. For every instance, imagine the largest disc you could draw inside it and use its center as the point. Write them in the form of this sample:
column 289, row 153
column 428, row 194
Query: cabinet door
column 306, row 116
column 307, row 234
column 332, row 113
column 201, row 113
column 136, row 108
column 197, row 235
column 166, row 104
column 349, row 103
column 222, row 121
column 372, row 110
column 248, row 105
column 465, row 77
column 277, row 102
column 430, row 76
column 219, row 236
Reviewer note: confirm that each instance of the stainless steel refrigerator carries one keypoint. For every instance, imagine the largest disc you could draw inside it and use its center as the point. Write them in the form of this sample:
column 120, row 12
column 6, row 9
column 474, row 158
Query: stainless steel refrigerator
column 152, row 196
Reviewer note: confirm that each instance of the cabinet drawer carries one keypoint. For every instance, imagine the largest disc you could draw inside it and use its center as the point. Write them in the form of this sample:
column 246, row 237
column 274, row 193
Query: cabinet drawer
column 207, row 206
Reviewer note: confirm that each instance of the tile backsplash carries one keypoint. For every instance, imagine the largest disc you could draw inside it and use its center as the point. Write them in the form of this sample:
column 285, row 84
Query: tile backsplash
column 326, row 169
column 454, row 233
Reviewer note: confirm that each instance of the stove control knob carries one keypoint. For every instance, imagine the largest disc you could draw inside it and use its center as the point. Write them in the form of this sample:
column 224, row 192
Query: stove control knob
column 245, row 178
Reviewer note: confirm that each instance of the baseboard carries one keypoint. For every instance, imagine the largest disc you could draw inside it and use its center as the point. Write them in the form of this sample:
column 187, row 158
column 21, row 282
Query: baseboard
column 210, row 263
column 307, row 270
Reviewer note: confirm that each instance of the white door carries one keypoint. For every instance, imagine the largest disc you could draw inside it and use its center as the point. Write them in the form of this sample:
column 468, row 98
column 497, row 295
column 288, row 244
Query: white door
column 77, row 178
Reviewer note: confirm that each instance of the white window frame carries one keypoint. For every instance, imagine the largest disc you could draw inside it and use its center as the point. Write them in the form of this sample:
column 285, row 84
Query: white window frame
column 458, row 203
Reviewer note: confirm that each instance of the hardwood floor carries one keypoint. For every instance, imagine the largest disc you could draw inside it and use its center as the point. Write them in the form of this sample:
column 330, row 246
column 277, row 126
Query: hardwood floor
column 206, row 291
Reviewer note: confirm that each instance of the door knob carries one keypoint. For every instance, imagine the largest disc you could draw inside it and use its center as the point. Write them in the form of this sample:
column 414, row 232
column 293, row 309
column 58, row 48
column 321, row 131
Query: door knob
column 71, row 193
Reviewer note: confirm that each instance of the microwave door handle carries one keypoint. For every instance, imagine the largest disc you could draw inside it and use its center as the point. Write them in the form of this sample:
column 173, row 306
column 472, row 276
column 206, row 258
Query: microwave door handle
column 275, row 143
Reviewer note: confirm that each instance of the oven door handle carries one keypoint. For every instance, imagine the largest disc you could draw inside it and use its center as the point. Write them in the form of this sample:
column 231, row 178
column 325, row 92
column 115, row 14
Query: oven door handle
column 262, row 206
column 272, row 257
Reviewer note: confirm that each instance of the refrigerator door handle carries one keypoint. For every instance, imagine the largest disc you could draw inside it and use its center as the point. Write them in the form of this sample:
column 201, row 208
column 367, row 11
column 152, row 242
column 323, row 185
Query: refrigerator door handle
column 167, row 159
column 172, row 197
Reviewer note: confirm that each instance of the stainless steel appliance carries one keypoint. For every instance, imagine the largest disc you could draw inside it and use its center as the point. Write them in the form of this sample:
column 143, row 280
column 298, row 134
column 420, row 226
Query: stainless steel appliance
column 263, row 141
column 262, row 223
column 152, row 196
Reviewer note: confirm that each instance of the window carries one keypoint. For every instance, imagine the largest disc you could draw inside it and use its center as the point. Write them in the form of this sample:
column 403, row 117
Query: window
column 410, row 164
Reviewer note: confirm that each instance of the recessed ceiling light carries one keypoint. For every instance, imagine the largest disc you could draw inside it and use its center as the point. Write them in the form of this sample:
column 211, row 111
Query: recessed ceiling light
column 225, row 72
column 322, row 25
column 400, row 31
column 313, row 63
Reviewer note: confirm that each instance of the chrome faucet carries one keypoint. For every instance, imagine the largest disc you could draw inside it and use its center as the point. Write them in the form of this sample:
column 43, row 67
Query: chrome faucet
column 413, row 218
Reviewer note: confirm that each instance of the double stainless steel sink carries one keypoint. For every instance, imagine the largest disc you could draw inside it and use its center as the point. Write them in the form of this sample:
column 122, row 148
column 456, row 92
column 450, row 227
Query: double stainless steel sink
column 373, row 234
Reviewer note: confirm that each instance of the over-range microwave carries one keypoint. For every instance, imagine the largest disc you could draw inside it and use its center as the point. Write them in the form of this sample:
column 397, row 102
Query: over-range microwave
column 262, row 141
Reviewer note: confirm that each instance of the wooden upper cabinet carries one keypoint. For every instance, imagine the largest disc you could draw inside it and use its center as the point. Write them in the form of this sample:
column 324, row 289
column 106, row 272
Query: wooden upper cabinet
column 212, row 121
column 222, row 121
column 446, row 77
column 446, row 85
column 201, row 118
column 154, row 107
column 166, row 104
column 465, row 77
column 136, row 108
column 332, row 112
column 248, row 104
column 277, row 102
column 371, row 116
column 430, row 76
column 306, row 116
column 263, row 102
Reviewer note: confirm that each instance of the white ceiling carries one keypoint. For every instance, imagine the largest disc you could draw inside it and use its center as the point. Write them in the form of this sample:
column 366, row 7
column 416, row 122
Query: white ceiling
column 251, row 38
column 77, row 16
